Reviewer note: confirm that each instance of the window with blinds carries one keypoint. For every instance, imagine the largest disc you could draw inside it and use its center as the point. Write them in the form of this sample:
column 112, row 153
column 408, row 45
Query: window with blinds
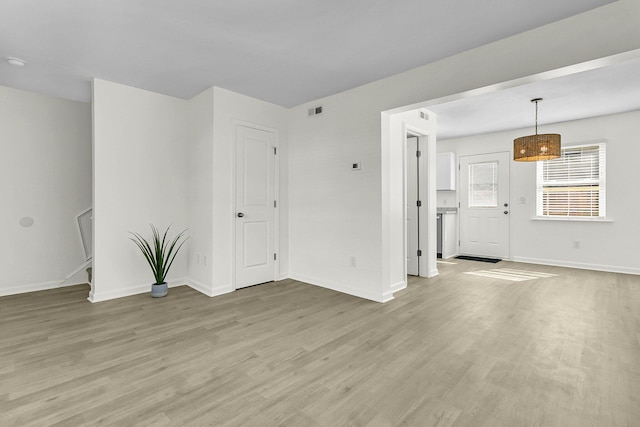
column 574, row 184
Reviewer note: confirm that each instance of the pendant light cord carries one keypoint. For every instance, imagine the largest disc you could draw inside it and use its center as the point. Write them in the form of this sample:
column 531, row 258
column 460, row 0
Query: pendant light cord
column 536, row 117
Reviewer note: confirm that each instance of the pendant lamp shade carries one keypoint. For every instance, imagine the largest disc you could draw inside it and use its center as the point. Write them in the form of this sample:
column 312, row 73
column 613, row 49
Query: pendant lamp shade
column 533, row 148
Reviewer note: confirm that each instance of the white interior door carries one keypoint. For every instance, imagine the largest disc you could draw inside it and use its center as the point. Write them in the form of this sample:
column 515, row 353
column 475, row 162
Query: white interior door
column 484, row 205
column 413, row 227
column 255, row 206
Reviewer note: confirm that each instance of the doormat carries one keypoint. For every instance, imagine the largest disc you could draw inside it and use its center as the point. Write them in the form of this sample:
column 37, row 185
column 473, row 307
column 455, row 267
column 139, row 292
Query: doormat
column 479, row 258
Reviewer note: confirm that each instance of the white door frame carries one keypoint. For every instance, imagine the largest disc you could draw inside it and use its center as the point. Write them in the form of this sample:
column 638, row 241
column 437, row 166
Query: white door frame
column 427, row 238
column 276, row 183
column 412, row 162
column 459, row 192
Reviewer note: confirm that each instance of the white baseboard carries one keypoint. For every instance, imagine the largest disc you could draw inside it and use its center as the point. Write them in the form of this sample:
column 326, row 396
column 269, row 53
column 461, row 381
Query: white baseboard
column 207, row 290
column 197, row 286
column 398, row 286
column 340, row 287
column 33, row 287
column 388, row 296
column 283, row 276
column 129, row 291
column 580, row 265
column 432, row 273
column 73, row 283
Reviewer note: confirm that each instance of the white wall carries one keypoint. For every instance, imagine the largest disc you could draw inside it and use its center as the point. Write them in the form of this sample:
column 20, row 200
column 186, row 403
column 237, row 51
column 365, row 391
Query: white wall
column 200, row 190
column 45, row 174
column 163, row 160
column 337, row 214
column 229, row 109
column 606, row 246
column 140, row 176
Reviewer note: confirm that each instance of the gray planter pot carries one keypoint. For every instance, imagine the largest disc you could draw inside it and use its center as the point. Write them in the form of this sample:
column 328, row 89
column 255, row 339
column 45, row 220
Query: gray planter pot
column 159, row 290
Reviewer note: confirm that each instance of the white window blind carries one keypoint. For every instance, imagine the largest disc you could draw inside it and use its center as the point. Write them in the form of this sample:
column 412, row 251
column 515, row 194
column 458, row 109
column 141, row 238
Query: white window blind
column 574, row 184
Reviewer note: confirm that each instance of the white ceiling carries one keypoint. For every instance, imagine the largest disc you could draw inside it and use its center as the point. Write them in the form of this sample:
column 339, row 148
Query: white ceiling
column 287, row 52
column 607, row 90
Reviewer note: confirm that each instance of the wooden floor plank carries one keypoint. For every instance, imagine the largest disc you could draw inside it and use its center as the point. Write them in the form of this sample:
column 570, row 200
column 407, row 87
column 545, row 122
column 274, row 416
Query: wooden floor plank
column 453, row 350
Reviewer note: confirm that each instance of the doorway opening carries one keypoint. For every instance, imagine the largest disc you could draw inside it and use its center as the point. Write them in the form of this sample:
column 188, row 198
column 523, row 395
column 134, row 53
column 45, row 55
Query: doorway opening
column 399, row 126
column 419, row 194
column 413, row 204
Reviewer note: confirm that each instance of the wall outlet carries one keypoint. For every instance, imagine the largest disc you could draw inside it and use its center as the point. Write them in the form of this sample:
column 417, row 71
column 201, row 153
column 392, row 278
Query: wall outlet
column 353, row 261
column 576, row 244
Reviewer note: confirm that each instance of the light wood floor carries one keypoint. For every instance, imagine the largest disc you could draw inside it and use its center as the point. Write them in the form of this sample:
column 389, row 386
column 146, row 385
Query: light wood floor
column 456, row 350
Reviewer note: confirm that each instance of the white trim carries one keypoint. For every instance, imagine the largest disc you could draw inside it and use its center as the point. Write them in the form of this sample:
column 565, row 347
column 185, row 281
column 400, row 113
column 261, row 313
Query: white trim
column 93, row 180
column 427, row 262
column 283, row 276
column 397, row 287
column 207, row 290
column 200, row 287
column 118, row 293
column 32, row 287
column 130, row 291
column 276, row 195
column 571, row 218
column 541, row 183
column 276, row 183
column 339, row 287
column 74, row 283
column 234, row 197
column 386, row 297
column 521, row 81
column 405, row 160
column 257, row 127
column 580, row 265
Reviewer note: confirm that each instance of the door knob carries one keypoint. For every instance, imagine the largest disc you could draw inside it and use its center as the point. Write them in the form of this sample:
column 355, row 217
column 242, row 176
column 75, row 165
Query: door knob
column 240, row 214
column 506, row 212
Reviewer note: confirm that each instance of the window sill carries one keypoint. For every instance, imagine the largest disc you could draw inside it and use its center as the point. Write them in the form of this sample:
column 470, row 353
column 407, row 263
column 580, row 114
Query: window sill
column 572, row 219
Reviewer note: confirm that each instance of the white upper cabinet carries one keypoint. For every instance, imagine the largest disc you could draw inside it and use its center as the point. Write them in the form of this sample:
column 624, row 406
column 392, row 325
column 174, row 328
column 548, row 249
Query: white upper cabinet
column 446, row 171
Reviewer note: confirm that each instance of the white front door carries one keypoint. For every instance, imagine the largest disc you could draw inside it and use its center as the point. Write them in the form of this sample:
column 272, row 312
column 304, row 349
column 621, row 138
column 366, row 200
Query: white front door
column 255, row 206
column 484, row 205
column 413, row 227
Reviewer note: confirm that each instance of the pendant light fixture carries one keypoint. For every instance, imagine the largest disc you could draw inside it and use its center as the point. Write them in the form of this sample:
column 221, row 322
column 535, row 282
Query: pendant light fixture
column 533, row 148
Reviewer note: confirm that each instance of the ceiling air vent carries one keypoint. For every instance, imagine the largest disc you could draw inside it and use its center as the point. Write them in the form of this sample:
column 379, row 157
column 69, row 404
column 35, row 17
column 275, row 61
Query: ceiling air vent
column 315, row 111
